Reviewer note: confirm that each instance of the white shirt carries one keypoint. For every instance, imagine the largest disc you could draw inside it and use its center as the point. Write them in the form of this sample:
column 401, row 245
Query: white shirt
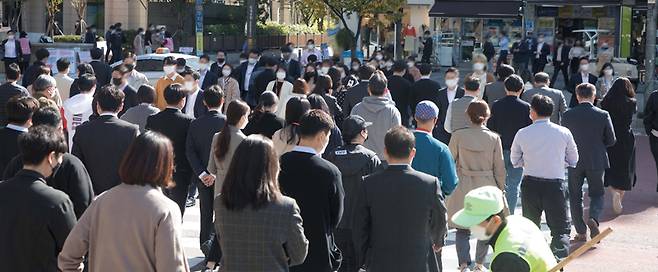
column 451, row 94
column 305, row 149
column 247, row 75
column 10, row 49
column 559, row 53
column 16, row 128
column 77, row 110
column 64, row 83
column 539, row 47
column 202, row 73
column 190, row 102
column 108, row 114
column 585, row 77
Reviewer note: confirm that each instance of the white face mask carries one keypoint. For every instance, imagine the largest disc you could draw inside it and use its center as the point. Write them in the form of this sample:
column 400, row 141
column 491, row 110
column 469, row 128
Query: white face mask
column 226, row 72
column 281, row 75
column 584, row 67
column 478, row 67
column 355, row 67
column 189, row 85
column 541, row 40
column 410, row 64
column 252, row 61
column 324, row 70
column 452, row 82
column 389, row 65
column 11, row 37
column 203, row 66
column 480, row 232
column 342, row 75
column 607, row 72
column 169, row 69
column 310, row 46
column 379, row 57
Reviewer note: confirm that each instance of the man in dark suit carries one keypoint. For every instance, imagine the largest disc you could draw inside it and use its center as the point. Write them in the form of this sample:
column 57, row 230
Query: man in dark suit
column 9, row 90
column 561, row 63
column 583, row 76
column 198, row 148
column 216, row 67
column 207, row 78
column 355, row 94
column 243, row 74
column 102, row 70
column 402, row 201
column 194, row 106
column 540, row 52
column 400, row 89
column 10, row 49
column 266, row 75
column 70, row 176
column 101, row 142
column 521, row 50
column 321, row 201
column 496, row 90
column 120, row 75
column 32, row 72
column 292, row 66
column 446, row 95
column 425, row 88
column 592, row 131
column 19, row 115
column 36, row 219
column 174, row 124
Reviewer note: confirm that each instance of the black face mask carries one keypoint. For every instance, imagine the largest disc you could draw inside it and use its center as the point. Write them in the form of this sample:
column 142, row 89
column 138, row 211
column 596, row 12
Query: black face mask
column 117, row 81
column 130, row 67
column 309, row 75
column 220, row 60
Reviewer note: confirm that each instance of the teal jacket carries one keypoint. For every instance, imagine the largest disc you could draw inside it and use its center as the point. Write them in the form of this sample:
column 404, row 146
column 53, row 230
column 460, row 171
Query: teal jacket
column 433, row 158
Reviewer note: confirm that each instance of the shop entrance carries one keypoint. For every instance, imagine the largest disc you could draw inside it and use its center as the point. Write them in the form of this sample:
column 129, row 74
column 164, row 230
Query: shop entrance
column 565, row 27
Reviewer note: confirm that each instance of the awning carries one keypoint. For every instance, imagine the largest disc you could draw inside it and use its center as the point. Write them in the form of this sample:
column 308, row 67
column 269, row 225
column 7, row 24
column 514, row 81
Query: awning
column 592, row 3
column 477, row 8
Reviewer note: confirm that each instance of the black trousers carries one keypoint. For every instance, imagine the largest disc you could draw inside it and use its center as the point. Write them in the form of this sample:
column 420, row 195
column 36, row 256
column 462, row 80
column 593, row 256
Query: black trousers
column 564, row 68
column 179, row 192
column 215, row 253
column 346, row 244
column 206, row 197
column 653, row 143
column 538, row 65
column 540, row 195
column 9, row 61
column 502, row 58
column 25, row 62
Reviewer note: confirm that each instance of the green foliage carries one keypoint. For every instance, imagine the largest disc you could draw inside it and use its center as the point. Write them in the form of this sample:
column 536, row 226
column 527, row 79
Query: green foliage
column 130, row 37
column 311, row 11
column 270, row 28
column 345, row 38
column 67, row 39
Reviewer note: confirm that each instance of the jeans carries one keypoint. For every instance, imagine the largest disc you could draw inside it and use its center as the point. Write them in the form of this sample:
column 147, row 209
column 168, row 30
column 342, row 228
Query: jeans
column 512, row 181
column 464, row 248
column 595, row 186
column 549, row 196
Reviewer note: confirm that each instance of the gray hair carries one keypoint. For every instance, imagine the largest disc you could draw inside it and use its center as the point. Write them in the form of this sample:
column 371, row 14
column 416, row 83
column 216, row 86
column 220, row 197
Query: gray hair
column 43, row 82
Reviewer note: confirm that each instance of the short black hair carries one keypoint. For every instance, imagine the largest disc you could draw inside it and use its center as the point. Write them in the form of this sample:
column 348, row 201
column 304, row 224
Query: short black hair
column 86, row 82
column 312, row 58
column 85, row 68
column 541, row 77
column 314, row 122
column 42, row 53
column 366, row 71
column 424, row 68
column 205, row 56
column 399, row 141
column 585, row 90
column 174, row 93
column 96, row 53
column 63, row 64
column 47, row 116
column 514, row 83
column 213, row 96
column 504, row 71
column 542, row 105
column 19, row 109
column 472, row 83
column 109, row 98
column 122, row 69
column 270, row 62
column 583, row 58
column 452, row 70
column 399, row 66
column 38, row 142
column 181, row 62
column 146, row 94
column 286, row 49
column 14, row 71
column 169, row 61
column 377, row 84
column 195, row 75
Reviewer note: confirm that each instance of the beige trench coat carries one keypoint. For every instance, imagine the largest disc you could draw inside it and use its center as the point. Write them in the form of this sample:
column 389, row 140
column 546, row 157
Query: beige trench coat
column 478, row 155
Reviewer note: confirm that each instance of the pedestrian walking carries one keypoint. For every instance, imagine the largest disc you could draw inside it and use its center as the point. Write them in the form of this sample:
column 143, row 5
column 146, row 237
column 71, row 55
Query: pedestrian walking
column 26, row 50
column 280, row 87
column 541, row 86
column 400, row 89
column 561, row 62
column 139, row 114
column 335, row 137
column 102, row 70
column 651, row 125
column 496, row 90
column 480, row 71
column 170, row 76
column 120, row 74
column 229, row 85
column 207, row 78
column 324, row 88
column 425, row 89
column 10, row 89
column 456, row 113
column 292, row 66
column 11, row 50
column 503, row 44
column 19, row 119
column 33, row 71
column 64, row 81
column 194, row 106
column 575, row 54
column 582, row 76
column 79, row 108
column 138, row 42
column 287, row 138
column 311, row 50
column 263, row 120
column 541, row 50
column 607, row 77
column 356, row 94
column 446, row 96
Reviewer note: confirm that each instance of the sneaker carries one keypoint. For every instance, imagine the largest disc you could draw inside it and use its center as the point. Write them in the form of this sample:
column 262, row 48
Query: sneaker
column 190, row 203
column 201, row 266
column 480, row 268
column 464, row 269
column 593, row 227
column 616, row 202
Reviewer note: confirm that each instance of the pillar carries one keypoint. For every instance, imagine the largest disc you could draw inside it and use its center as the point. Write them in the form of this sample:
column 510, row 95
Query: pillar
column 69, row 17
column 34, row 16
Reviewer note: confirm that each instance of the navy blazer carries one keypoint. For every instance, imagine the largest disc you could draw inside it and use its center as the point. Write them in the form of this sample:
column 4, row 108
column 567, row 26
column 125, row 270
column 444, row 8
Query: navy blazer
column 593, row 133
column 576, row 79
column 439, row 132
column 199, row 139
column 209, row 80
column 174, row 124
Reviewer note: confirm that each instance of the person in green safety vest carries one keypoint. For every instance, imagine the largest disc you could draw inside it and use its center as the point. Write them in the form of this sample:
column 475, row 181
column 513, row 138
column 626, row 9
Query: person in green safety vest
column 518, row 244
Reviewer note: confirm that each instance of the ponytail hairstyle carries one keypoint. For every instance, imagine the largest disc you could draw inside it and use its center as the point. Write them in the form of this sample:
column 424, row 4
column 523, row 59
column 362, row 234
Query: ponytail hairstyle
column 295, row 109
column 236, row 109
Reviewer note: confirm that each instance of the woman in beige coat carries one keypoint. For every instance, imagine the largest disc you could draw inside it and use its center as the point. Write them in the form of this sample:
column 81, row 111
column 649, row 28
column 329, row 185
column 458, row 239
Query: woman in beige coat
column 286, row 138
column 224, row 144
column 229, row 85
column 479, row 158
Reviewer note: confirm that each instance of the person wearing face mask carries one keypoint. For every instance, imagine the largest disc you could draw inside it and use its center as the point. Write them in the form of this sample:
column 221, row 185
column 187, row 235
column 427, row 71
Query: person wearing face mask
column 207, row 78
column 138, row 42
column 354, row 68
column 324, row 67
column 428, row 47
column 400, row 89
column 216, row 67
column 282, row 88
column 575, row 54
column 447, row 95
column 518, row 244
column 51, row 211
column 194, row 106
column 582, row 76
column 311, row 49
column 604, row 83
column 135, row 78
column 244, row 74
column 496, row 90
column 229, row 85
column 479, row 157
column 480, row 71
column 540, row 52
column 310, row 75
column 170, row 76
column 120, row 81
column 292, row 66
column 10, row 49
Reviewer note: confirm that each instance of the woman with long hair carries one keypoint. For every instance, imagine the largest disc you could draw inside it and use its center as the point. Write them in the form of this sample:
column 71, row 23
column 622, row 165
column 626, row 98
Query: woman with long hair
column 604, row 83
column 133, row 226
column 336, row 138
column 260, row 228
column 621, row 105
column 310, row 75
column 263, row 120
column 478, row 154
column 286, row 139
column 229, row 85
column 324, row 87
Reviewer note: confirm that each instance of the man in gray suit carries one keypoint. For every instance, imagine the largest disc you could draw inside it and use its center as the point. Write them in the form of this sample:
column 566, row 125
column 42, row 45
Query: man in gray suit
column 417, row 214
column 456, row 116
column 138, row 114
column 592, row 131
column 541, row 83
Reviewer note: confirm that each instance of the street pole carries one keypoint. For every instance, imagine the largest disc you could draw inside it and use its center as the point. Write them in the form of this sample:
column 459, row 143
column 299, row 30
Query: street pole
column 650, row 52
column 251, row 23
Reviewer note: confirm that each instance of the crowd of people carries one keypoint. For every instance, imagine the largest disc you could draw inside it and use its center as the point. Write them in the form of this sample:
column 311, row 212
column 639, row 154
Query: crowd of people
column 305, row 164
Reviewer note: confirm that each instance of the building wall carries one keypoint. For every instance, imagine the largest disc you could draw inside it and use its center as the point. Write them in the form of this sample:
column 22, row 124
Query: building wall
column 34, row 17
column 131, row 13
column 416, row 15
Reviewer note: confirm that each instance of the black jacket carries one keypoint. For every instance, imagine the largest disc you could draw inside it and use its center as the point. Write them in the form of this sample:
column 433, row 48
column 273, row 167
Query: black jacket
column 102, row 71
column 36, row 219
column 7, row 91
column 293, row 68
column 593, row 133
column 399, row 213
column 508, row 115
column 400, row 89
column 216, row 69
column 354, row 96
column 317, row 187
column 199, row 108
column 174, row 124
column 439, row 132
column 355, row 162
column 100, row 144
column 209, row 80
column 8, row 146
column 263, row 123
column 574, row 81
column 543, row 53
column 31, row 73
column 71, row 177
column 651, row 113
column 199, row 139
column 261, row 80
column 424, row 89
column 130, row 100
column 564, row 58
